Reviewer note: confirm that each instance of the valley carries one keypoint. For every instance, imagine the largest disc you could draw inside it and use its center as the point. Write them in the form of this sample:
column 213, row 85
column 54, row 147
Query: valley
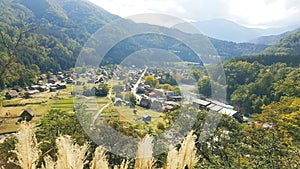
column 164, row 98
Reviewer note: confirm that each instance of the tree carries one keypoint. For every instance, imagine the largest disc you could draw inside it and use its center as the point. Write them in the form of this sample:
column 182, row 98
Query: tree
column 57, row 123
column 167, row 79
column 166, row 87
column 103, row 90
column 132, row 99
column 289, row 86
column 152, row 81
column 204, row 86
column 12, row 71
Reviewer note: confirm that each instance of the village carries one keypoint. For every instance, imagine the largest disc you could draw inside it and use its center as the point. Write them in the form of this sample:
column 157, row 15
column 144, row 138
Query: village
column 127, row 89
column 157, row 98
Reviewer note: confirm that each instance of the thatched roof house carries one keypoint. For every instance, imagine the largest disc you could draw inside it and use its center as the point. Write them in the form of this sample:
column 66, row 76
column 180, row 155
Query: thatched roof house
column 11, row 94
column 146, row 118
column 26, row 115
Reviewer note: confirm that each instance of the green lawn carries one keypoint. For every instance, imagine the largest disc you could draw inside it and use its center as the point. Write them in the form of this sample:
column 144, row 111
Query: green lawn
column 126, row 113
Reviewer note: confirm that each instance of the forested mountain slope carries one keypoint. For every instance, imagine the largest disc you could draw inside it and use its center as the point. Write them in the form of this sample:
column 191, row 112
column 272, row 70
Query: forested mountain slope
column 64, row 26
column 289, row 45
column 51, row 33
column 272, row 39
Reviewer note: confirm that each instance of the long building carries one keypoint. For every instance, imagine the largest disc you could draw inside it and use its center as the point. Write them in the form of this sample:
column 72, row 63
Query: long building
column 216, row 106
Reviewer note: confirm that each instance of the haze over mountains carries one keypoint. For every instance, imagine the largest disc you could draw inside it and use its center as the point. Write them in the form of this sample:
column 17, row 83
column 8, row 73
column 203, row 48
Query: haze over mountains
column 230, row 31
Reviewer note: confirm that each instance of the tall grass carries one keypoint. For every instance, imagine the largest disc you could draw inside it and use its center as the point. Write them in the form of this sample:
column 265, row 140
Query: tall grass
column 69, row 154
column 72, row 156
column 124, row 165
column 144, row 159
column 49, row 163
column 100, row 159
column 185, row 157
column 26, row 149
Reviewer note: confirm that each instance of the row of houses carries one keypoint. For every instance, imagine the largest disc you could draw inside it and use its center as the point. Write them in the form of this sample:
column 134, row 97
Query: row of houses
column 51, row 84
column 218, row 107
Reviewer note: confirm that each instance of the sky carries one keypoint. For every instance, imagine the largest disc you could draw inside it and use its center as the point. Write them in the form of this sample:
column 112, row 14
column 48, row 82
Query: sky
column 251, row 13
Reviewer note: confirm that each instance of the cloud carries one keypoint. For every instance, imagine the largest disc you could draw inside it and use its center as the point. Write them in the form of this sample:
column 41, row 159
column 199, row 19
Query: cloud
column 263, row 12
column 248, row 12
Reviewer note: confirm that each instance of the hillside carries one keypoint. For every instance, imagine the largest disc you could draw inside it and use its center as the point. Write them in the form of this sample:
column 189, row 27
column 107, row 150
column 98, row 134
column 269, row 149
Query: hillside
column 228, row 50
column 272, row 39
column 58, row 29
column 61, row 28
column 289, row 45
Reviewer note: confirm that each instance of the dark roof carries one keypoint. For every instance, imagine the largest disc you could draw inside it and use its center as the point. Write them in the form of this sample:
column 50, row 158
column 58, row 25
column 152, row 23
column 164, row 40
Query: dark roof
column 12, row 93
column 145, row 116
column 29, row 110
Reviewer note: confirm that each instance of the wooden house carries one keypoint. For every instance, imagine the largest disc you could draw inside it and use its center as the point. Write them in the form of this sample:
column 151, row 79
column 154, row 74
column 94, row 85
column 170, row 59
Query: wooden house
column 53, row 89
column 146, row 103
column 157, row 106
column 11, row 94
column 146, row 118
column 156, row 93
column 52, row 80
column 201, row 104
column 174, row 98
column 26, row 115
column 118, row 102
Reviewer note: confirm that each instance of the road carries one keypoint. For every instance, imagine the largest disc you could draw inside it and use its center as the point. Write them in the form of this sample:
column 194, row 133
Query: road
column 109, row 96
column 101, row 110
column 133, row 90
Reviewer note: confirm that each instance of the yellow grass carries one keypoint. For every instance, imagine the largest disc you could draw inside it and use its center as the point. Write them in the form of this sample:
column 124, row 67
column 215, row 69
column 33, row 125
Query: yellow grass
column 27, row 148
column 100, row 159
column 186, row 156
column 70, row 155
column 124, row 165
column 144, row 159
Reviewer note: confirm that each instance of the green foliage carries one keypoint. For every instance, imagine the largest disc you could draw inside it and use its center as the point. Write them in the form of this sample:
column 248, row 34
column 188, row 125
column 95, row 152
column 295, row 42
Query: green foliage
column 61, row 30
column 5, row 153
column 166, row 87
column 284, row 116
column 228, row 50
column 240, row 73
column 152, row 81
column 288, row 86
column 168, row 79
column 289, row 45
column 267, row 60
column 252, row 85
column 132, row 99
column 55, row 124
column 235, row 145
column 204, row 86
column 103, row 90
column 16, row 73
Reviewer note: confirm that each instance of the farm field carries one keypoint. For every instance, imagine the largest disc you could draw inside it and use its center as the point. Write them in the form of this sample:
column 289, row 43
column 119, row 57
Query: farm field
column 41, row 103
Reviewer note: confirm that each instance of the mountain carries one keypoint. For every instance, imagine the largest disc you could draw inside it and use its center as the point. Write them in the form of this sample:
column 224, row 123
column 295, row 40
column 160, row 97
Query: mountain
column 59, row 29
column 290, row 45
column 228, row 50
column 230, row 31
column 63, row 27
column 70, row 13
column 226, row 30
column 272, row 39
